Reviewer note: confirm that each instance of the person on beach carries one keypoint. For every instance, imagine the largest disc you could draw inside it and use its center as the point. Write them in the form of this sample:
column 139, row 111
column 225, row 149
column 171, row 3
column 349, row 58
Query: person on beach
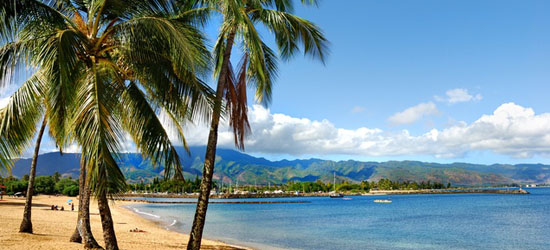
column 72, row 206
column 62, row 208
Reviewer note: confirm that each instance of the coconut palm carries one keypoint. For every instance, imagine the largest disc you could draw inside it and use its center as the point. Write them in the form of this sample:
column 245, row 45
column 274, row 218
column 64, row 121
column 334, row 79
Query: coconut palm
column 258, row 68
column 26, row 223
column 10, row 126
column 108, row 68
column 83, row 230
column 28, row 100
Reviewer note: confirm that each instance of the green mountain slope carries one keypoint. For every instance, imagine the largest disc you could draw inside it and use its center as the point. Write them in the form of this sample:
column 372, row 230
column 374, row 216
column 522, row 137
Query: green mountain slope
column 232, row 165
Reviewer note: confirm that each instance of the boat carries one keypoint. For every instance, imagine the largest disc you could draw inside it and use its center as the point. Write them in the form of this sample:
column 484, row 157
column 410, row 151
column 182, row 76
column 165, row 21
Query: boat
column 382, row 201
column 336, row 195
column 333, row 194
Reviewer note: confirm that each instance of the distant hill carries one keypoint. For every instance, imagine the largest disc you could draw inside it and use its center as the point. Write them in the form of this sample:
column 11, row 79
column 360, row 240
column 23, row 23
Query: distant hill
column 232, row 165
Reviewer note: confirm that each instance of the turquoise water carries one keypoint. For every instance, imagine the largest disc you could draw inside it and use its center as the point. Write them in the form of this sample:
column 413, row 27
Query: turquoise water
column 443, row 221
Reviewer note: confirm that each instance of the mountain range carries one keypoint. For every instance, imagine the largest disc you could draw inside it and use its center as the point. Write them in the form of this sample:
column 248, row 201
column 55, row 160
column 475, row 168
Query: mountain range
column 232, row 165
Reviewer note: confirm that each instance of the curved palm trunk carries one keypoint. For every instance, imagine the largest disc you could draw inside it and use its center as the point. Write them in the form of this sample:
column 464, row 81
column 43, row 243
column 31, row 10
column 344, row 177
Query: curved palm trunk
column 83, row 230
column 210, row 157
column 107, row 223
column 26, row 224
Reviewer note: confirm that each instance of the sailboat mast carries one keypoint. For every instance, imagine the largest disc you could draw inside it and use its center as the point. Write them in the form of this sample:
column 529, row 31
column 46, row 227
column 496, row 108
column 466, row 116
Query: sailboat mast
column 334, row 182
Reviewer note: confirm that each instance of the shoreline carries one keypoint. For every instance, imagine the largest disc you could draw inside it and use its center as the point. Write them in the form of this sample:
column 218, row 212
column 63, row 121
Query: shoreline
column 52, row 229
column 129, row 209
column 124, row 197
column 230, row 242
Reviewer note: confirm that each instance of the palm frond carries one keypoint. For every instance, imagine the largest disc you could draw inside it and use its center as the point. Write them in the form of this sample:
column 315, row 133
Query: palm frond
column 19, row 118
column 141, row 121
column 15, row 15
column 290, row 31
column 97, row 130
column 236, row 102
column 262, row 69
column 11, row 55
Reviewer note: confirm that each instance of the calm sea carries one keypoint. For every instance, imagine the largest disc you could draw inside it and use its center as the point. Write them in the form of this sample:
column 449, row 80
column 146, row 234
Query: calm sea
column 444, row 221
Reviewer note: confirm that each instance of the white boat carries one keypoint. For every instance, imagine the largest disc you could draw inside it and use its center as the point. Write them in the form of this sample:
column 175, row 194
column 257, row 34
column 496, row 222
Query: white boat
column 382, row 201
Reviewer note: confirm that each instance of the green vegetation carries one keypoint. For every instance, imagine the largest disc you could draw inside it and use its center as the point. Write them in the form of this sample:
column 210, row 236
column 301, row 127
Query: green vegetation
column 387, row 184
column 43, row 185
column 168, row 186
column 193, row 186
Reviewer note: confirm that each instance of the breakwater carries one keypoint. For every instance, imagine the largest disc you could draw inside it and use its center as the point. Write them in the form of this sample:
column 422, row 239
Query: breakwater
column 453, row 191
column 227, row 196
column 290, row 195
column 211, row 202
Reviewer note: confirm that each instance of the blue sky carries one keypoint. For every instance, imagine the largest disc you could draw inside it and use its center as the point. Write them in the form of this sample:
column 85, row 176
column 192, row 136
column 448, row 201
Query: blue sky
column 390, row 55
column 401, row 69
column 387, row 56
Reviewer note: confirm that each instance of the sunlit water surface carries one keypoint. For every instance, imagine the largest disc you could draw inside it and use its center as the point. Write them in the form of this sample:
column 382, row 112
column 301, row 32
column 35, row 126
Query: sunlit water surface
column 440, row 221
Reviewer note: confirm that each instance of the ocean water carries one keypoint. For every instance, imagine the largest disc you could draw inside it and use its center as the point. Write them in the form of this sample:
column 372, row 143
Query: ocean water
column 438, row 221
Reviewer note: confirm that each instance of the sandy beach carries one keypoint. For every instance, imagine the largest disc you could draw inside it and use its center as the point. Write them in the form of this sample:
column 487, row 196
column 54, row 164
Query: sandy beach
column 52, row 229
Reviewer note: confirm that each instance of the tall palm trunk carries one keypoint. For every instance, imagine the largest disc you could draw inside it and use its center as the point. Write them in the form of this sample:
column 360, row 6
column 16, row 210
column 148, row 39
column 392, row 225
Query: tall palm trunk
column 210, row 157
column 26, row 224
column 83, row 230
column 107, row 222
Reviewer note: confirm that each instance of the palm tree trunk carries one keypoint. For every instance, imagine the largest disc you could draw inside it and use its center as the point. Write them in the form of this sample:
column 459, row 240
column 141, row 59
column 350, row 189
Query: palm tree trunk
column 107, row 223
column 76, row 237
column 210, row 157
column 83, row 229
column 26, row 224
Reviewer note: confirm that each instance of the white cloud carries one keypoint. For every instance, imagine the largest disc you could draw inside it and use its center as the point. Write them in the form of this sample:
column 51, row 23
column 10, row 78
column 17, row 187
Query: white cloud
column 511, row 130
column 413, row 114
column 458, row 95
column 4, row 102
column 357, row 109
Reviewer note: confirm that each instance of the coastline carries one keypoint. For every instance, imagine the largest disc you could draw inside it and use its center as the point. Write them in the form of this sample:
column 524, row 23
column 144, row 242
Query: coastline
column 126, row 206
column 135, row 197
column 52, row 229
column 156, row 221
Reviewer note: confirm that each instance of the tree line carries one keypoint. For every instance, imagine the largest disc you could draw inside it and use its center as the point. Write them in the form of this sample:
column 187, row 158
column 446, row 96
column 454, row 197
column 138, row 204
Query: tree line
column 54, row 184
column 364, row 186
column 160, row 185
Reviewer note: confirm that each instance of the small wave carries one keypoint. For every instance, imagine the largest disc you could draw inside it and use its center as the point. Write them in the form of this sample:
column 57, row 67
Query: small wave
column 148, row 214
column 173, row 223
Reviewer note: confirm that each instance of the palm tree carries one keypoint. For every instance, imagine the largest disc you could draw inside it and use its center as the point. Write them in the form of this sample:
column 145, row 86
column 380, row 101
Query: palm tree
column 25, row 101
column 83, row 230
column 28, row 100
column 108, row 68
column 258, row 68
column 26, row 223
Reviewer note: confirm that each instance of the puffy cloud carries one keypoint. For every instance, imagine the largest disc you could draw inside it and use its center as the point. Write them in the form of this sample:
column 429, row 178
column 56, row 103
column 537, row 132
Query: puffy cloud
column 458, row 95
column 413, row 114
column 511, row 130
